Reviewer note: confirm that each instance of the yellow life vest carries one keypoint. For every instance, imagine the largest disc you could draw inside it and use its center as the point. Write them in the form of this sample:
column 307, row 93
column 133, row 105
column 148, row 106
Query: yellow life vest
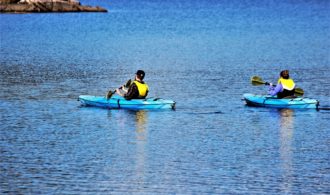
column 142, row 87
column 287, row 84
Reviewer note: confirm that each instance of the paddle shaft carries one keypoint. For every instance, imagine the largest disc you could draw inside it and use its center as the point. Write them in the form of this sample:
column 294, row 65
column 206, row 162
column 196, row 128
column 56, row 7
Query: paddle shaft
column 258, row 80
column 110, row 93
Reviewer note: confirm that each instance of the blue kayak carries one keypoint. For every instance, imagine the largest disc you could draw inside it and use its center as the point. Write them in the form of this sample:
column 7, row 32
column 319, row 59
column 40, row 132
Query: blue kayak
column 118, row 102
column 274, row 102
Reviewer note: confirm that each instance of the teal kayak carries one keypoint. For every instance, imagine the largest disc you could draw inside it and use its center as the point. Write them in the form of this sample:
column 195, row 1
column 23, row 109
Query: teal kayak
column 274, row 102
column 118, row 102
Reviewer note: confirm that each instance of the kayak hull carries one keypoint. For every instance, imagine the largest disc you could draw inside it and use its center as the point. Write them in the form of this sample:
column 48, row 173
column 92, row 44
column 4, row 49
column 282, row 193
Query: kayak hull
column 273, row 102
column 118, row 102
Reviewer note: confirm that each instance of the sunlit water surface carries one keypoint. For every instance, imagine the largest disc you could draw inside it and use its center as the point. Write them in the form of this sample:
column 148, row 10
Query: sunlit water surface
column 200, row 54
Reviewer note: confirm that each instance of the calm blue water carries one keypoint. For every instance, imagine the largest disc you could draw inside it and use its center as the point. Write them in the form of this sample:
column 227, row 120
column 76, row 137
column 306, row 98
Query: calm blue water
column 200, row 54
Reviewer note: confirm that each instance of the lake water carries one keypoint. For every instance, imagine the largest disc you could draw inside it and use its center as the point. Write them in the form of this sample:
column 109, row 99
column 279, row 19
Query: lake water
column 201, row 54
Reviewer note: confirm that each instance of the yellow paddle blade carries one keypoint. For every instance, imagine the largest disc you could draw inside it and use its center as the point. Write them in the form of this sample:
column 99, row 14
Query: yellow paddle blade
column 109, row 94
column 128, row 83
column 257, row 80
column 299, row 92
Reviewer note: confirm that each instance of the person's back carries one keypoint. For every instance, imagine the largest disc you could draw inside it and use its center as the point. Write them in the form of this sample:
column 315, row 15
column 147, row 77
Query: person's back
column 285, row 86
column 138, row 89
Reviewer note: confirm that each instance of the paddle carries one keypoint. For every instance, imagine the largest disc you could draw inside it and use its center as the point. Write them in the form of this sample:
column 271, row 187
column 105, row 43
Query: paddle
column 258, row 81
column 110, row 93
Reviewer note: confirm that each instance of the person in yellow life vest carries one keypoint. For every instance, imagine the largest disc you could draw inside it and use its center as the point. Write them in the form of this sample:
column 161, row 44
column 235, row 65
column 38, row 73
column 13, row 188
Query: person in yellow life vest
column 138, row 89
column 285, row 86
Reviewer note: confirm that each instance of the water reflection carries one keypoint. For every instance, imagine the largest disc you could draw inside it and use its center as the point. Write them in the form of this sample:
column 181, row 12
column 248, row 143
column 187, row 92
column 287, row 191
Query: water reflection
column 141, row 141
column 141, row 120
column 286, row 135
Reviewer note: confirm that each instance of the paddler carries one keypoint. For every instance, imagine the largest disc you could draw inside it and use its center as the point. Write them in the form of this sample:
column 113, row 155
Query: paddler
column 285, row 86
column 137, row 89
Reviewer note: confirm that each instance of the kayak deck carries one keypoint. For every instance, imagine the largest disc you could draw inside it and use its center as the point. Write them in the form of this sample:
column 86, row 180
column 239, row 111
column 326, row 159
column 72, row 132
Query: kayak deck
column 274, row 102
column 118, row 102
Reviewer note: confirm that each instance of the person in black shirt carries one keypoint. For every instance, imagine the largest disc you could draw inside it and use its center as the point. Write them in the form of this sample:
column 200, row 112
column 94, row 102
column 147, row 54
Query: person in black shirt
column 138, row 89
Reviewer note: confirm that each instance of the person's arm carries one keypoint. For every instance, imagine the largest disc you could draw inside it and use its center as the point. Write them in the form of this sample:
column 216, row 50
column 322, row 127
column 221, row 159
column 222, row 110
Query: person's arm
column 125, row 89
column 274, row 90
column 120, row 92
column 132, row 92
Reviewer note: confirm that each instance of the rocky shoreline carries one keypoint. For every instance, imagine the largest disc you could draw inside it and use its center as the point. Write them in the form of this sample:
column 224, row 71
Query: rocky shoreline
column 39, row 6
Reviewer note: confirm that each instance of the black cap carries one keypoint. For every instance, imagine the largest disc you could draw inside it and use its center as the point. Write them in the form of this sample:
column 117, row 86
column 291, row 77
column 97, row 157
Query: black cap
column 140, row 74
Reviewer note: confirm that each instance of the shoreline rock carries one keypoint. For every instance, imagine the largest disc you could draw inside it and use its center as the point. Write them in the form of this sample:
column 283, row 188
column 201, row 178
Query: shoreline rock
column 44, row 6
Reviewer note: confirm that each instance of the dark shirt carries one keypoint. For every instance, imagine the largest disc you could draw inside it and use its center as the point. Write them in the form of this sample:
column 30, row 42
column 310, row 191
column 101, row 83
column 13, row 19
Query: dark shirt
column 133, row 93
column 280, row 91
